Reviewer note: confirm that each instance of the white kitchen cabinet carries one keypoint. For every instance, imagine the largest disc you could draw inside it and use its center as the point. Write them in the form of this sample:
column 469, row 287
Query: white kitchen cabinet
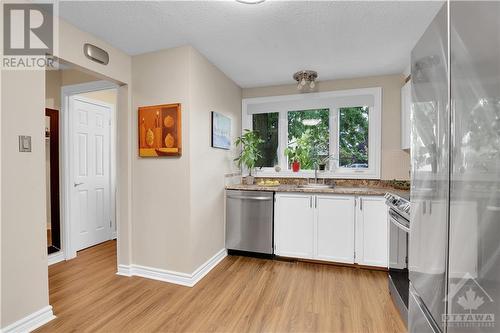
column 406, row 101
column 294, row 225
column 335, row 228
column 372, row 231
column 317, row 227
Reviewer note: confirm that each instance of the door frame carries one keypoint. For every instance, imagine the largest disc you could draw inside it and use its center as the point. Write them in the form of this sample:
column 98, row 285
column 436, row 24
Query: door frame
column 68, row 246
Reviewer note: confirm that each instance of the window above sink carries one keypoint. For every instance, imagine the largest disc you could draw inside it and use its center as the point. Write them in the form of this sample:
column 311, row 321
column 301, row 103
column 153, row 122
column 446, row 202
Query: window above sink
column 342, row 127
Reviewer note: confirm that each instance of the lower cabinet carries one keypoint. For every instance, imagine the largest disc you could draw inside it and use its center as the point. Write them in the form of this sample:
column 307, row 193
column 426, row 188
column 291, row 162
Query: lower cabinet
column 372, row 231
column 293, row 225
column 317, row 227
column 336, row 228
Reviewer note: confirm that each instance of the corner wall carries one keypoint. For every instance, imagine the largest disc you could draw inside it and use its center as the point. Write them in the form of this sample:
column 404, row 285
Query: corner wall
column 160, row 199
column 210, row 90
column 178, row 203
column 395, row 163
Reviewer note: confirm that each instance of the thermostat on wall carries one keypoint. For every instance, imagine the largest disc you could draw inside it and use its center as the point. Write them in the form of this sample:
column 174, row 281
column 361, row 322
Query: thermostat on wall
column 25, row 143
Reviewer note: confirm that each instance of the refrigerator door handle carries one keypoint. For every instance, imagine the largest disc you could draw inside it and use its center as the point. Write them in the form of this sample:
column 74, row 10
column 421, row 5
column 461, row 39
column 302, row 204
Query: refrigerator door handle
column 420, row 318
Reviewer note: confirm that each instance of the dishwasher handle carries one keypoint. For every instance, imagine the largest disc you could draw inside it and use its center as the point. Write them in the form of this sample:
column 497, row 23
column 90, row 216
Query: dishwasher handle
column 243, row 197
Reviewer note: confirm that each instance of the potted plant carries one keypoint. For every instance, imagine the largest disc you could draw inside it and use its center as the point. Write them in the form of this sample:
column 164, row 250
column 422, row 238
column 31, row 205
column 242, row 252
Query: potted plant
column 250, row 152
column 293, row 152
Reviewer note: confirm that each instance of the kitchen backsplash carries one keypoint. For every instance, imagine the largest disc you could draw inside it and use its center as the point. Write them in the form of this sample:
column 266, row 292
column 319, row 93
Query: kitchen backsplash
column 395, row 184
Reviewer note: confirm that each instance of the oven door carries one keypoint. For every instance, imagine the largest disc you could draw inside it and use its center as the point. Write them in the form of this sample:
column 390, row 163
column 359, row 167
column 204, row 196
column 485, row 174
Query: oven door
column 399, row 283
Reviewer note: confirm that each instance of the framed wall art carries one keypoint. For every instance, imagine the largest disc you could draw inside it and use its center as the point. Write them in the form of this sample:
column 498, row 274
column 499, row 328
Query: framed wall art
column 221, row 131
column 160, row 130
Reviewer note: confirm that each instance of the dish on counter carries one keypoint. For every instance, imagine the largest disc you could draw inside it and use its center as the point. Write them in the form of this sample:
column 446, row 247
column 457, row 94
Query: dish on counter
column 268, row 183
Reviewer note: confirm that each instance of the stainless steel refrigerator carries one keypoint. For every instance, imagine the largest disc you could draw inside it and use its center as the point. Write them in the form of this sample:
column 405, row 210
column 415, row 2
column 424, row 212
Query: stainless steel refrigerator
column 454, row 250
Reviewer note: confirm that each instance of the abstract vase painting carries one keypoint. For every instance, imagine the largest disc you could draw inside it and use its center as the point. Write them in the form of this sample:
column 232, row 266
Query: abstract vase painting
column 160, row 130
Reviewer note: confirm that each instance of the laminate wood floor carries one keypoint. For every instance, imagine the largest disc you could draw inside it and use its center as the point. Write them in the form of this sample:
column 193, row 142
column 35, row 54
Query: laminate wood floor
column 239, row 295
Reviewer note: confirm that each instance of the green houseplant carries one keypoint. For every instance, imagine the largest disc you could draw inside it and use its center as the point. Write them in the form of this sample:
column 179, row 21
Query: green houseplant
column 294, row 153
column 250, row 152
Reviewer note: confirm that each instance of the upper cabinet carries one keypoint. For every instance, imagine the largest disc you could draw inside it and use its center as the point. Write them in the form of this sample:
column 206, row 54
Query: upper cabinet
column 405, row 115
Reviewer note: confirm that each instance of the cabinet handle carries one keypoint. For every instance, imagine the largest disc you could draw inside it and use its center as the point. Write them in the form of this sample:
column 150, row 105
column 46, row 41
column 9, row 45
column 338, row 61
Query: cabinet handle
column 424, row 207
column 311, row 202
column 360, row 203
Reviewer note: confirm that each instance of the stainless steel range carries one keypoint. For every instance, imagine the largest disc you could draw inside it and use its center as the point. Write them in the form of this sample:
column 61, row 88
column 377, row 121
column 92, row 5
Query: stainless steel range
column 399, row 283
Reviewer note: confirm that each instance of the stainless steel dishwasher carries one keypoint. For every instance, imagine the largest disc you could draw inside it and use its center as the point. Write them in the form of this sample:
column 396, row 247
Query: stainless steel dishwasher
column 249, row 222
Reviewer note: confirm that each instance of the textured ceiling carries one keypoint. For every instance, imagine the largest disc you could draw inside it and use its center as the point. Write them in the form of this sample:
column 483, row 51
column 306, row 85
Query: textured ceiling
column 258, row 45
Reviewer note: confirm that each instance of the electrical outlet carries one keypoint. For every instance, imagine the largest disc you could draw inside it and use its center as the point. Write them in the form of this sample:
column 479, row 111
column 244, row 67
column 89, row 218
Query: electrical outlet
column 25, row 143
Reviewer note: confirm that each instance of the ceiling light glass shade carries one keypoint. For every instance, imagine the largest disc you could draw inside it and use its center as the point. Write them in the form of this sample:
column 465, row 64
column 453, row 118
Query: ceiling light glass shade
column 305, row 77
column 250, row 2
column 311, row 122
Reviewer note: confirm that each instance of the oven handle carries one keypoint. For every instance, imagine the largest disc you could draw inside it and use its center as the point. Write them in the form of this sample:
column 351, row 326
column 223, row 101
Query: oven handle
column 395, row 220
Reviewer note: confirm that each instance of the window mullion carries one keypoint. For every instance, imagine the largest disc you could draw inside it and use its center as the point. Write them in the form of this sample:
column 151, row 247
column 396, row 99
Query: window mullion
column 282, row 140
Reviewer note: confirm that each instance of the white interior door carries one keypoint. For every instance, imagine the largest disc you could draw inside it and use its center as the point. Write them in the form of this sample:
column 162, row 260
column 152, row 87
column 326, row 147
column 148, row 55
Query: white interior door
column 90, row 170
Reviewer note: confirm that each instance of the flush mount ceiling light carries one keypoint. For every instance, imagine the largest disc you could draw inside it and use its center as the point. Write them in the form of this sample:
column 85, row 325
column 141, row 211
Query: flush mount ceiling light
column 250, row 2
column 304, row 78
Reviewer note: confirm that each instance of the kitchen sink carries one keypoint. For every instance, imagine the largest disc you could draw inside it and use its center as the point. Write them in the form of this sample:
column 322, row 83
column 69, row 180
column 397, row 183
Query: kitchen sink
column 315, row 186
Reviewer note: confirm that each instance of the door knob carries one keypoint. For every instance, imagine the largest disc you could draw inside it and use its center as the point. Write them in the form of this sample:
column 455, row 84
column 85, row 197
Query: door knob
column 77, row 184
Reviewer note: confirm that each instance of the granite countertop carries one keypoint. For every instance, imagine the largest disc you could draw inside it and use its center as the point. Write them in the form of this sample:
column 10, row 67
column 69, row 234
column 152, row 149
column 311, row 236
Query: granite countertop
column 335, row 190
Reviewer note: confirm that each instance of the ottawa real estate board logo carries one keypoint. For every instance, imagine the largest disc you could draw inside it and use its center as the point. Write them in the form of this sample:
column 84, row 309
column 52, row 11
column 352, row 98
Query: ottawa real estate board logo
column 470, row 306
column 28, row 35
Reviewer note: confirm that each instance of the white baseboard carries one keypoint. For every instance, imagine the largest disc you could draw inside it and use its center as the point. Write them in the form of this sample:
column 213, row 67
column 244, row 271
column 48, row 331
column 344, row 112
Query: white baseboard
column 54, row 258
column 31, row 322
column 124, row 270
column 183, row 279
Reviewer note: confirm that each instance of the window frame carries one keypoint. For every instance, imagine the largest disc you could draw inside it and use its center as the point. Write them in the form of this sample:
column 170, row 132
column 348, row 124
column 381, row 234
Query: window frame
column 332, row 100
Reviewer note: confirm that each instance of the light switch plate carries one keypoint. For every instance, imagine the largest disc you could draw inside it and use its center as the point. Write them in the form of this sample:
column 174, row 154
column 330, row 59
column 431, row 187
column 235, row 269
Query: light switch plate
column 25, row 143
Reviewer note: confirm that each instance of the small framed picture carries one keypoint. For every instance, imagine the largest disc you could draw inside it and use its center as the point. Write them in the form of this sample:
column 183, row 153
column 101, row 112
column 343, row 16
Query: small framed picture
column 221, row 131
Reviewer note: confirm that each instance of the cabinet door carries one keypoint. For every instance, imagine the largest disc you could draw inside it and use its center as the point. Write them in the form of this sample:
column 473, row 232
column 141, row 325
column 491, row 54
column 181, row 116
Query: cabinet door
column 294, row 225
column 335, row 228
column 405, row 115
column 371, row 232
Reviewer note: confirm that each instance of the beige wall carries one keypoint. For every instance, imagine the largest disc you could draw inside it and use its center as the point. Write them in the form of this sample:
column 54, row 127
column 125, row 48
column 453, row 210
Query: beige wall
column 24, row 272
column 71, row 41
column 210, row 90
column 160, row 199
column 24, row 279
column 53, row 89
column 54, row 80
column 395, row 163
column 176, row 225
column 107, row 96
